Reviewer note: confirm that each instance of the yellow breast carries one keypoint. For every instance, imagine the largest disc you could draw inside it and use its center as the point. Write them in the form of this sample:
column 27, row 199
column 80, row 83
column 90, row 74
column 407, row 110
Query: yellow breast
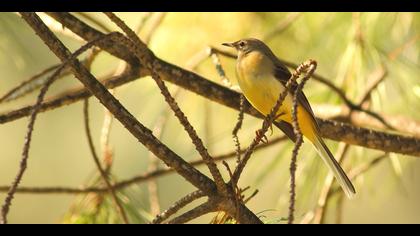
column 260, row 87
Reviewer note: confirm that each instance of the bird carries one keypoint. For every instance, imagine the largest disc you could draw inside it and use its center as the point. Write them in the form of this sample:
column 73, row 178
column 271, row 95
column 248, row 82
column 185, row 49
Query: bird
column 262, row 77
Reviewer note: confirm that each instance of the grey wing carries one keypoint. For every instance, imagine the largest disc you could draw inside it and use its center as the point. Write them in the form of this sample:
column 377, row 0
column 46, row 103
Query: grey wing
column 282, row 74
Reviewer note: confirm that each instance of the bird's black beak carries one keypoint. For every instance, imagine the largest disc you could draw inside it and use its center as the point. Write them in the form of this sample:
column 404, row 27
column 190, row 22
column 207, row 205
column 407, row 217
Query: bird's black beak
column 232, row 45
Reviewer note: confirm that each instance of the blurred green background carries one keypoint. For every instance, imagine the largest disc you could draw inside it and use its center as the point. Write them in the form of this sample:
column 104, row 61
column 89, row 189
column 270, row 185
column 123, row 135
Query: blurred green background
column 347, row 46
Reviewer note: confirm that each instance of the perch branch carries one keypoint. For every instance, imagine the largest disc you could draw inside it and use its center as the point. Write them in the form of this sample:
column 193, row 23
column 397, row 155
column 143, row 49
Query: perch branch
column 198, row 211
column 177, row 206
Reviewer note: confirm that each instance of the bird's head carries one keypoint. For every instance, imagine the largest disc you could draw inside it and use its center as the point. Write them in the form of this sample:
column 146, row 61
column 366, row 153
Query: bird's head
column 245, row 46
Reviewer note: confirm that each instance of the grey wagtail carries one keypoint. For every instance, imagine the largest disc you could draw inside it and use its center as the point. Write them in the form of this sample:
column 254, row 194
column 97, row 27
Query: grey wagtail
column 262, row 77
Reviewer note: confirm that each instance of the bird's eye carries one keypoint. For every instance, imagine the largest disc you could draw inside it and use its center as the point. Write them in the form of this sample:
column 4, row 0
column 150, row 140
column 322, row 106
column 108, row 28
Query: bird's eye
column 241, row 44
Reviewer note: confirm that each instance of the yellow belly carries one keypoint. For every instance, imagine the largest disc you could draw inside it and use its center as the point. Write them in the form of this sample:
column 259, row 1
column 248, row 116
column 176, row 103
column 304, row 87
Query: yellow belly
column 262, row 91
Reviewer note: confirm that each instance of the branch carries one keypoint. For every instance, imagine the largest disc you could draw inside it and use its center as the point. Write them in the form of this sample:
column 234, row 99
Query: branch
column 134, row 180
column 68, row 97
column 104, row 175
column 25, row 153
column 369, row 138
column 28, row 85
column 155, row 24
column 88, row 34
column 342, row 114
column 202, row 209
column 177, row 206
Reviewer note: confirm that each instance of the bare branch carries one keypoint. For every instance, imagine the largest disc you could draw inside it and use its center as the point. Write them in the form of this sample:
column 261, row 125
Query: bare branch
column 309, row 67
column 178, row 206
column 68, row 97
column 28, row 86
column 202, row 209
column 154, row 26
column 134, row 180
column 25, row 153
column 104, row 175
column 403, row 124
column 237, row 128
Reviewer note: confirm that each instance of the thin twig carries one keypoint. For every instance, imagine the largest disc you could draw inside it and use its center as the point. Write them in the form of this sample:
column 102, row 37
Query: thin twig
column 158, row 129
column 380, row 76
column 107, row 155
column 237, row 128
column 25, row 153
column 198, row 211
column 134, row 180
column 95, row 21
column 143, row 19
column 68, row 97
column 28, row 85
column 154, row 26
column 309, row 67
column 219, row 68
column 178, row 206
column 342, row 95
column 111, row 190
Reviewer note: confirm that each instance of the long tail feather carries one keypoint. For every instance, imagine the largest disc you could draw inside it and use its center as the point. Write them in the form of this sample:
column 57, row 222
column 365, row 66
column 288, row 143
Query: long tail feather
column 339, row 173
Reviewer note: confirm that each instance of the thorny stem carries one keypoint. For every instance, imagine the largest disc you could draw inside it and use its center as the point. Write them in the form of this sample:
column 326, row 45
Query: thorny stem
column 198, row 211
column 237, row 128
column 310, row 67
column 177, row 206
